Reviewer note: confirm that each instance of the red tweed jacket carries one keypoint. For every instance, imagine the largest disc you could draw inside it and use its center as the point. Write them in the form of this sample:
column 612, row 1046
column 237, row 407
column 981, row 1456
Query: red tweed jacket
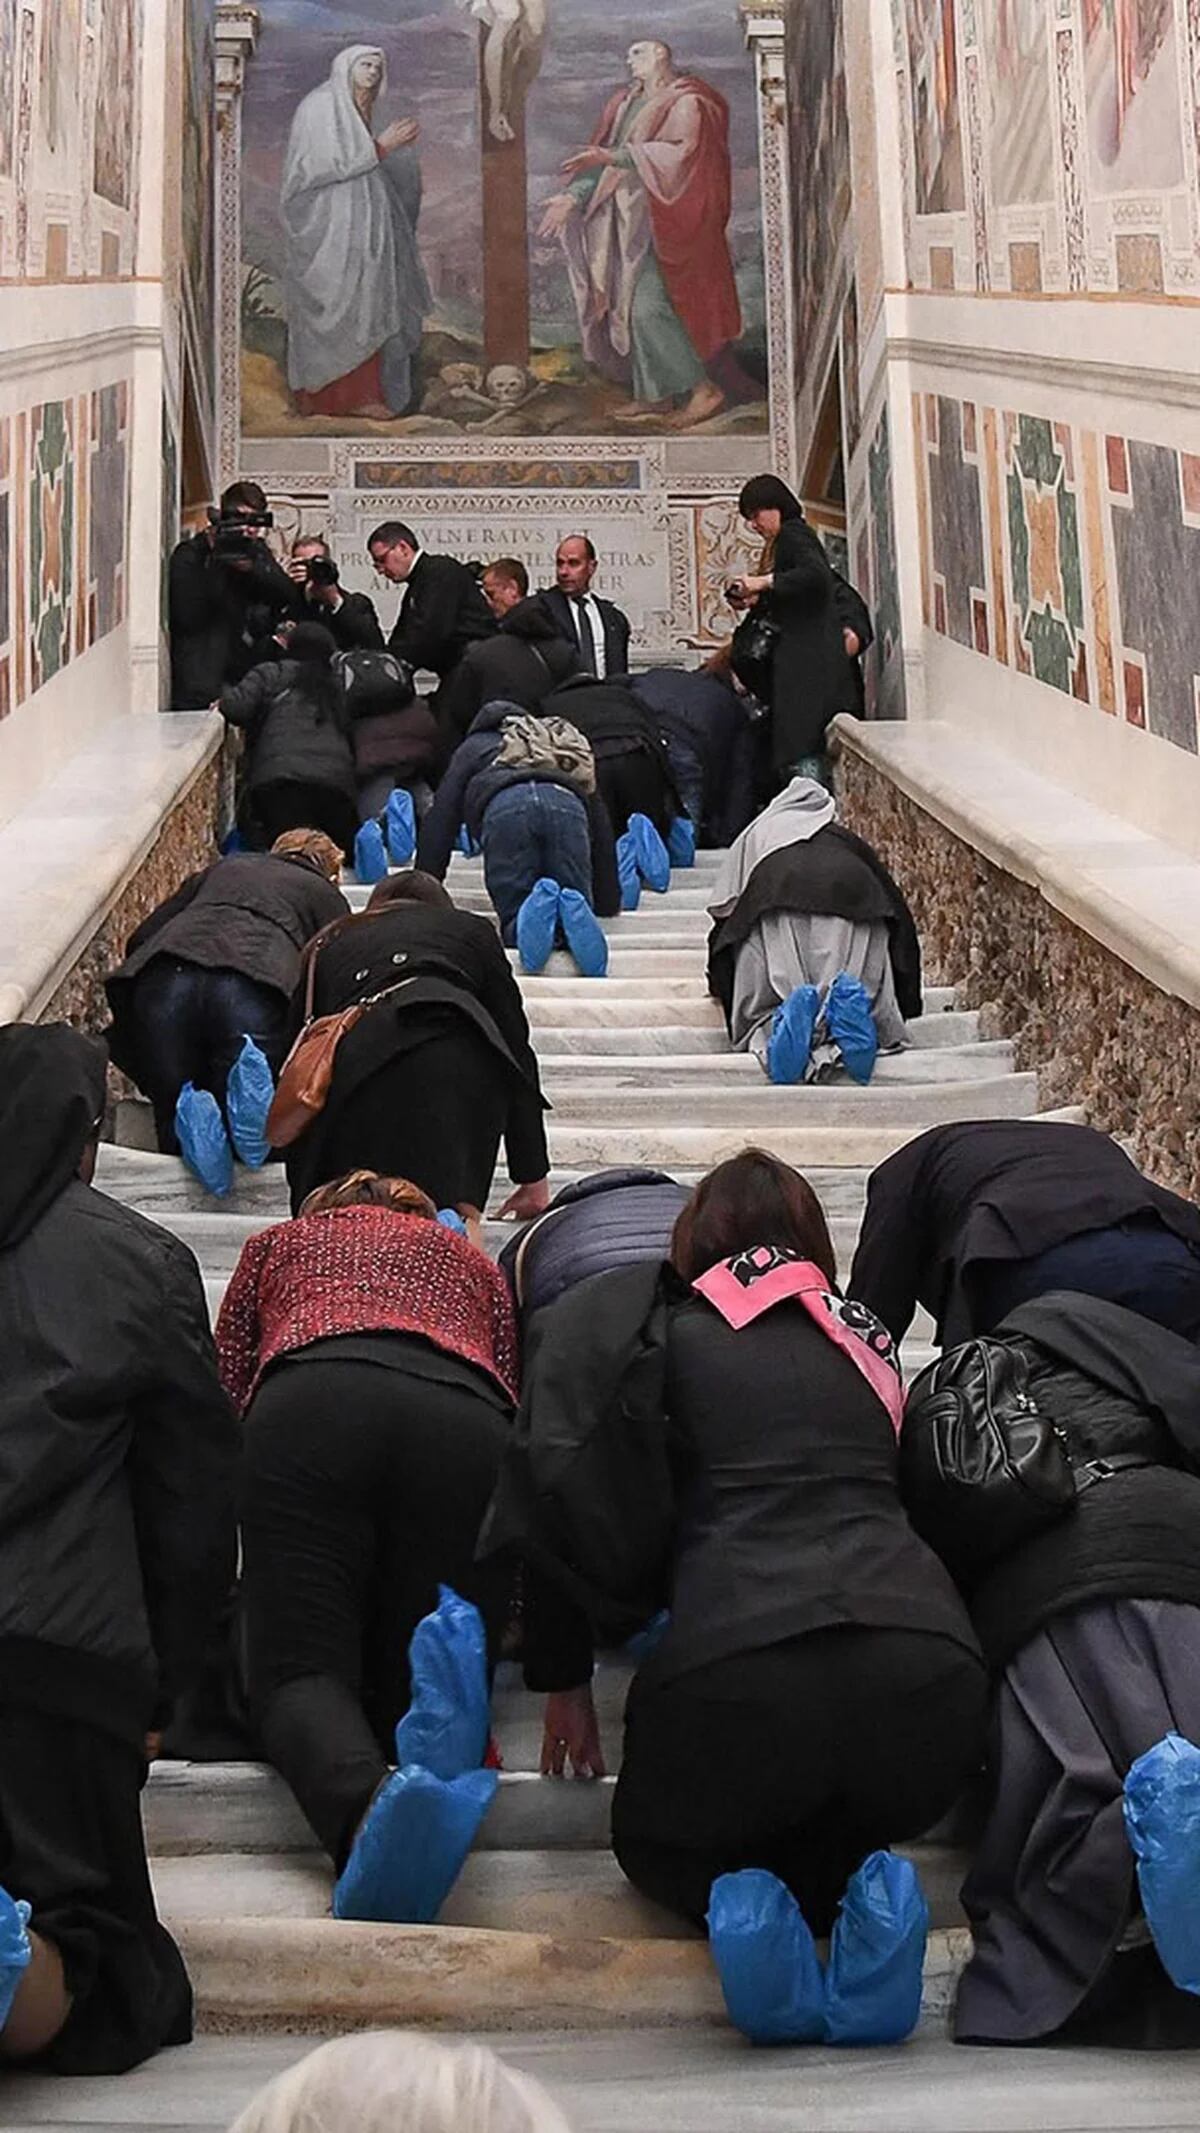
column 363, row 1270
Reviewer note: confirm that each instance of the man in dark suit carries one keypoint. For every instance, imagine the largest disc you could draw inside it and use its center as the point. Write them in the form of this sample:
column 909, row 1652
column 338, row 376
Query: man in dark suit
column 599, row 631
column 444, row 610
column 972, row 1220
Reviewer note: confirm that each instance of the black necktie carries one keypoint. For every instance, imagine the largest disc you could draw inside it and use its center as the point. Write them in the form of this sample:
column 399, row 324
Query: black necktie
column 587, row 643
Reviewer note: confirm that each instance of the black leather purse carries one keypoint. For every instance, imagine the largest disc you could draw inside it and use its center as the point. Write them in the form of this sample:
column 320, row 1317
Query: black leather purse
column 982, row 1468
column 752, row 653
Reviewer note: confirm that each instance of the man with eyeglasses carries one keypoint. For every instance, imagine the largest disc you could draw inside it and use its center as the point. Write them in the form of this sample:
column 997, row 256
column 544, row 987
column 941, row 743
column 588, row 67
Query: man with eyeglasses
column 443, row 611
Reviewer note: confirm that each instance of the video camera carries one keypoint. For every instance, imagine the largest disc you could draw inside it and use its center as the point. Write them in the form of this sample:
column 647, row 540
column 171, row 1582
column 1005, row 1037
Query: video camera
column 232, row 534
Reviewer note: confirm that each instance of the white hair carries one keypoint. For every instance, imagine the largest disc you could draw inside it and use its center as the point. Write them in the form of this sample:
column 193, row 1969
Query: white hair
column 393, row 2079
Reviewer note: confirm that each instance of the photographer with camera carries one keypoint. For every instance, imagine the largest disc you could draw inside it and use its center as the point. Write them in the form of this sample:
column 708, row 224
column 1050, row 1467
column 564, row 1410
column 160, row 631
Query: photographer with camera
column 226, row 592
column 318, row 596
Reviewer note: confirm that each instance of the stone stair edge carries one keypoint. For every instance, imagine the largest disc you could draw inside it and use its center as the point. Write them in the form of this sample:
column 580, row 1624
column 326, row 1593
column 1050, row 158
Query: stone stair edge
column 259, row 1976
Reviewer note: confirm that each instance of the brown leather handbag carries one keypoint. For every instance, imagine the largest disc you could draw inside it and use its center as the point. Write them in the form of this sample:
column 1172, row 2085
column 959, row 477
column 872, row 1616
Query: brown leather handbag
column 307, row 1073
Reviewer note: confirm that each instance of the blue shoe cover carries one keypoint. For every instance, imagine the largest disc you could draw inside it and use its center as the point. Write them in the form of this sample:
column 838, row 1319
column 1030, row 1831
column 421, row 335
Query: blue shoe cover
column 232, row 843
column 400, row 826
column 851, row 1024
column 537, row 925
column 203, row 1141
column 877, row 1955
column 681, row 842
column 249, row 1094
column 1162, row 1821
column 370, row 858
column 654, row 864
column 790, row 1046
column 628, row 874
column 766, row 1959
column 450, row 1220
column 411, row 1847
column 16, row 1951
column 586, row 937
column 466, row 843
column 445, row 1728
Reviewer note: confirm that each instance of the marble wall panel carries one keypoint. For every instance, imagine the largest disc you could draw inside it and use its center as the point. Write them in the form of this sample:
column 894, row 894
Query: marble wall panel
column 1072, row 557
column 108, row 510
column 52, row 535
column 1051, row 148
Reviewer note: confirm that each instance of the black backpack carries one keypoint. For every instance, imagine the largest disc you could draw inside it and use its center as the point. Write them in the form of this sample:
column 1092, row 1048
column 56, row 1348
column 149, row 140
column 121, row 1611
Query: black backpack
column 373, row 683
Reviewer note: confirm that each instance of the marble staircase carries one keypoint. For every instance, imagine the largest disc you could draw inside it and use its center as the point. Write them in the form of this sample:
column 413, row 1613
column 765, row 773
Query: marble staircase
column 542, row 1929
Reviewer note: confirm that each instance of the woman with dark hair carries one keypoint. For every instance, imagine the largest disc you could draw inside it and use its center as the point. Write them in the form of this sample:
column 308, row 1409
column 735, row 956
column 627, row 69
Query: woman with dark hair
column 719, row 1437
column 438, row 1070
column 812, row 673
column 372, row 1353
column 299, row 768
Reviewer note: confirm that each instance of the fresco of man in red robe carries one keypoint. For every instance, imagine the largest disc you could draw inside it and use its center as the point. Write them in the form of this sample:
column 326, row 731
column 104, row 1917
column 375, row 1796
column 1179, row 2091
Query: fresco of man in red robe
column 644, row 223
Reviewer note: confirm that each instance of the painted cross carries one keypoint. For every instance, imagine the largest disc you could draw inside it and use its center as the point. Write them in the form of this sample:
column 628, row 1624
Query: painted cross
column 511, row 38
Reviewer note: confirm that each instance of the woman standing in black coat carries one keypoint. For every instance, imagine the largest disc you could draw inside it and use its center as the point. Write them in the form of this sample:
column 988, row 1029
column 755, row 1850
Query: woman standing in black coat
column 299, row 771
column 812, row 674
column 438, row 1070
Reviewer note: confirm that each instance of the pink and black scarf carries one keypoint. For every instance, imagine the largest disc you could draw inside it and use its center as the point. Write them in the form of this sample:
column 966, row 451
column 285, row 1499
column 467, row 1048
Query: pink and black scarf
column 752, row 1282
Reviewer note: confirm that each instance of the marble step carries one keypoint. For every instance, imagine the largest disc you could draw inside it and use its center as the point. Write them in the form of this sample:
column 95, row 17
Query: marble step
column 241, row 1811
column 567, row 1894
column 687, row 1071
column 628, row 959
column 602, row 996
column 754, row 1104
column 256, row 1976
column 197, row 1808
column 945, row 1032
column 162, row 1187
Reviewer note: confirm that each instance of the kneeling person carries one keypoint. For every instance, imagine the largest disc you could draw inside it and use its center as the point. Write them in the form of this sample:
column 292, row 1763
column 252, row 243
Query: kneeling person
column 525, row 787
column 813, row 953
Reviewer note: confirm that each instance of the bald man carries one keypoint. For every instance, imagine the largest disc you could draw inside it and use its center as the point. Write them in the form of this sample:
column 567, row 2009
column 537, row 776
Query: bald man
column 595, row 628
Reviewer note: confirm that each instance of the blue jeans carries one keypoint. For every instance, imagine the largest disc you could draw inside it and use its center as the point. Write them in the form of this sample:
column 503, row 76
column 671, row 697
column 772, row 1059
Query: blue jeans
column 1140, row 1264
column 527, row 831
column 189, row 1025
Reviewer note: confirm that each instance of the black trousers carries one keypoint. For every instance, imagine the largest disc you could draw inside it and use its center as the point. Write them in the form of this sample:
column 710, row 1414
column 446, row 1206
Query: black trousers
column 801, row 1758
column 71, row 1845
column 364, row 1488
column 633, row 783
column 435, row 1113
column 1140, row 1264
column 288, row 803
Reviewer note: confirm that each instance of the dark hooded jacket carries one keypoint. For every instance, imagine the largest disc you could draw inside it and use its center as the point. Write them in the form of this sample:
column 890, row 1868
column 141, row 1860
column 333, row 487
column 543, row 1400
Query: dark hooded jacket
column 833, row 874
column 470, row 785
column 519, row 665
column 117, row 1444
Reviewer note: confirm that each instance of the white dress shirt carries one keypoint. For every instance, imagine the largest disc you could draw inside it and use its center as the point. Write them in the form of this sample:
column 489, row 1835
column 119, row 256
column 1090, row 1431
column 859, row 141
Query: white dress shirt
column 587, row 608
